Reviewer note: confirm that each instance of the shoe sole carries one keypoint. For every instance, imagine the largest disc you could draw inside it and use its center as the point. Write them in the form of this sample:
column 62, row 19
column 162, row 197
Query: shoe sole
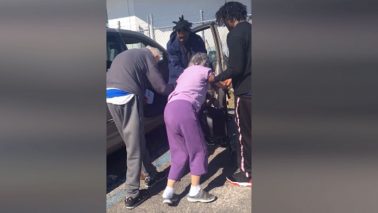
column 194, row 200
column 130, row 207
column 242, row 184
column 169, row 202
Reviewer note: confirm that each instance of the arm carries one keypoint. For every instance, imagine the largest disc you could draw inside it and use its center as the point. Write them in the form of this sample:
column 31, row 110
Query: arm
column 221, row 85
column 236, row 59
column 156, row 79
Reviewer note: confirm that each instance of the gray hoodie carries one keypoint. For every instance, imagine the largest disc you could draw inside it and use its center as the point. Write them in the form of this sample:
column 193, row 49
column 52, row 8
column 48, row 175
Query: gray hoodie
column 132, row 69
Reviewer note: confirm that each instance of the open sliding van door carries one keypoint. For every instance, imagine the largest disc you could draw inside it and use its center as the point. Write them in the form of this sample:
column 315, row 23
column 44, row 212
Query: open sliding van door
column 214, row 114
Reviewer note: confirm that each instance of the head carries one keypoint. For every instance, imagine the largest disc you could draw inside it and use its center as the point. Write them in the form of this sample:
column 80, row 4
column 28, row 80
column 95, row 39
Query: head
column 200, row 59
column 182, row 28
column 230, row 14
column 155, row 52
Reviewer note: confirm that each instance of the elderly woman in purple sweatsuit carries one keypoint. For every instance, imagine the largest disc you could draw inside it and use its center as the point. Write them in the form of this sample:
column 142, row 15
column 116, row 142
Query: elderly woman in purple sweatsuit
column 186, row 140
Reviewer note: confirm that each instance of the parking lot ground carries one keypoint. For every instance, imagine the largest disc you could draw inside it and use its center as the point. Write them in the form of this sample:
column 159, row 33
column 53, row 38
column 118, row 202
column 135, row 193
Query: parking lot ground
column 229, row 198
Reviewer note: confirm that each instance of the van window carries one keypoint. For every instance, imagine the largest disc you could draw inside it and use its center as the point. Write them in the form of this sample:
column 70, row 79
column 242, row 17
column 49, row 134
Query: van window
column 114, row 46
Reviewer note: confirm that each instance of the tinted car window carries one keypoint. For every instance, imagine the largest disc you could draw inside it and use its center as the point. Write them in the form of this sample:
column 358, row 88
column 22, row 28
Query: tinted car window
column 114, row 46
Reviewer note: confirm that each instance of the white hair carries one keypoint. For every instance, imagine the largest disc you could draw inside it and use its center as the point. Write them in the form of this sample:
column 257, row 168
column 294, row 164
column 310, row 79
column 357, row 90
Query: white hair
column 155, row 52
column 200, row 59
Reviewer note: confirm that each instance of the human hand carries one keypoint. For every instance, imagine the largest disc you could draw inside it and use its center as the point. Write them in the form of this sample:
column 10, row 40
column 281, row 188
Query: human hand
column 221, row 85
column 211, row 78
column 227, row 82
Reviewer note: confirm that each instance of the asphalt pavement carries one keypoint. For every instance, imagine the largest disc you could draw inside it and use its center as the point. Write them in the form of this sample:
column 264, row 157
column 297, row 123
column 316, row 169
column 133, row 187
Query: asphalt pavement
column 229, row 198
column 222, row 163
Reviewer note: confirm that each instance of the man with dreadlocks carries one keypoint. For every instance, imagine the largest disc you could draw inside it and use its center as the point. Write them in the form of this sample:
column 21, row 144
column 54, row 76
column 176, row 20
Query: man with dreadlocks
column 233, row 15
column 182, row 45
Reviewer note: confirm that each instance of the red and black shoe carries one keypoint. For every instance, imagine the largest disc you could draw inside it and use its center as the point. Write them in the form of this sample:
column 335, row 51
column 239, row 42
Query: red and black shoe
column 239, row 179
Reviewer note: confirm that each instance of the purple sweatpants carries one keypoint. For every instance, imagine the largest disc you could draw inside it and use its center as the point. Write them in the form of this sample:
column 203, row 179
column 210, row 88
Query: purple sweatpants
column 186, row 140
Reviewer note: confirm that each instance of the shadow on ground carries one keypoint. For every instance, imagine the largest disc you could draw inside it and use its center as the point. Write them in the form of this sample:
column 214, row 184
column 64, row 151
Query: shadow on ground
column 157, row 144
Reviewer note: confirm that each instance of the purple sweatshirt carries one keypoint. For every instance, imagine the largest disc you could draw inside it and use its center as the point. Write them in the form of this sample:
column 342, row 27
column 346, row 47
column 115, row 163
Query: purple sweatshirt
column 192, row 86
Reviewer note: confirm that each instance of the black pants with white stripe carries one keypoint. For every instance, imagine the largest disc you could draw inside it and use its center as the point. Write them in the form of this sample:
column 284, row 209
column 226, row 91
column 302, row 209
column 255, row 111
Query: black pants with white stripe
column 244, row 122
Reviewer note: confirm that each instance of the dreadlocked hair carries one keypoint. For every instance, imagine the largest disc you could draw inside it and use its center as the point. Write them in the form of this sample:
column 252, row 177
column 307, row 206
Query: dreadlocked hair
column 229, row 11
column 182, row 24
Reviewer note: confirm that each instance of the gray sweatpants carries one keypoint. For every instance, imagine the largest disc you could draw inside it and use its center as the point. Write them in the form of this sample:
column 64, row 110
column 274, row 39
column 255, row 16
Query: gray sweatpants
column 128, row 119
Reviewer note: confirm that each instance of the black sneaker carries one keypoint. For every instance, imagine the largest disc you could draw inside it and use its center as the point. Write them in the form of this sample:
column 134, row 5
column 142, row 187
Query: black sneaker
column 151, row 180
column 239, row 179
column 202, row 196
column 134, row 202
